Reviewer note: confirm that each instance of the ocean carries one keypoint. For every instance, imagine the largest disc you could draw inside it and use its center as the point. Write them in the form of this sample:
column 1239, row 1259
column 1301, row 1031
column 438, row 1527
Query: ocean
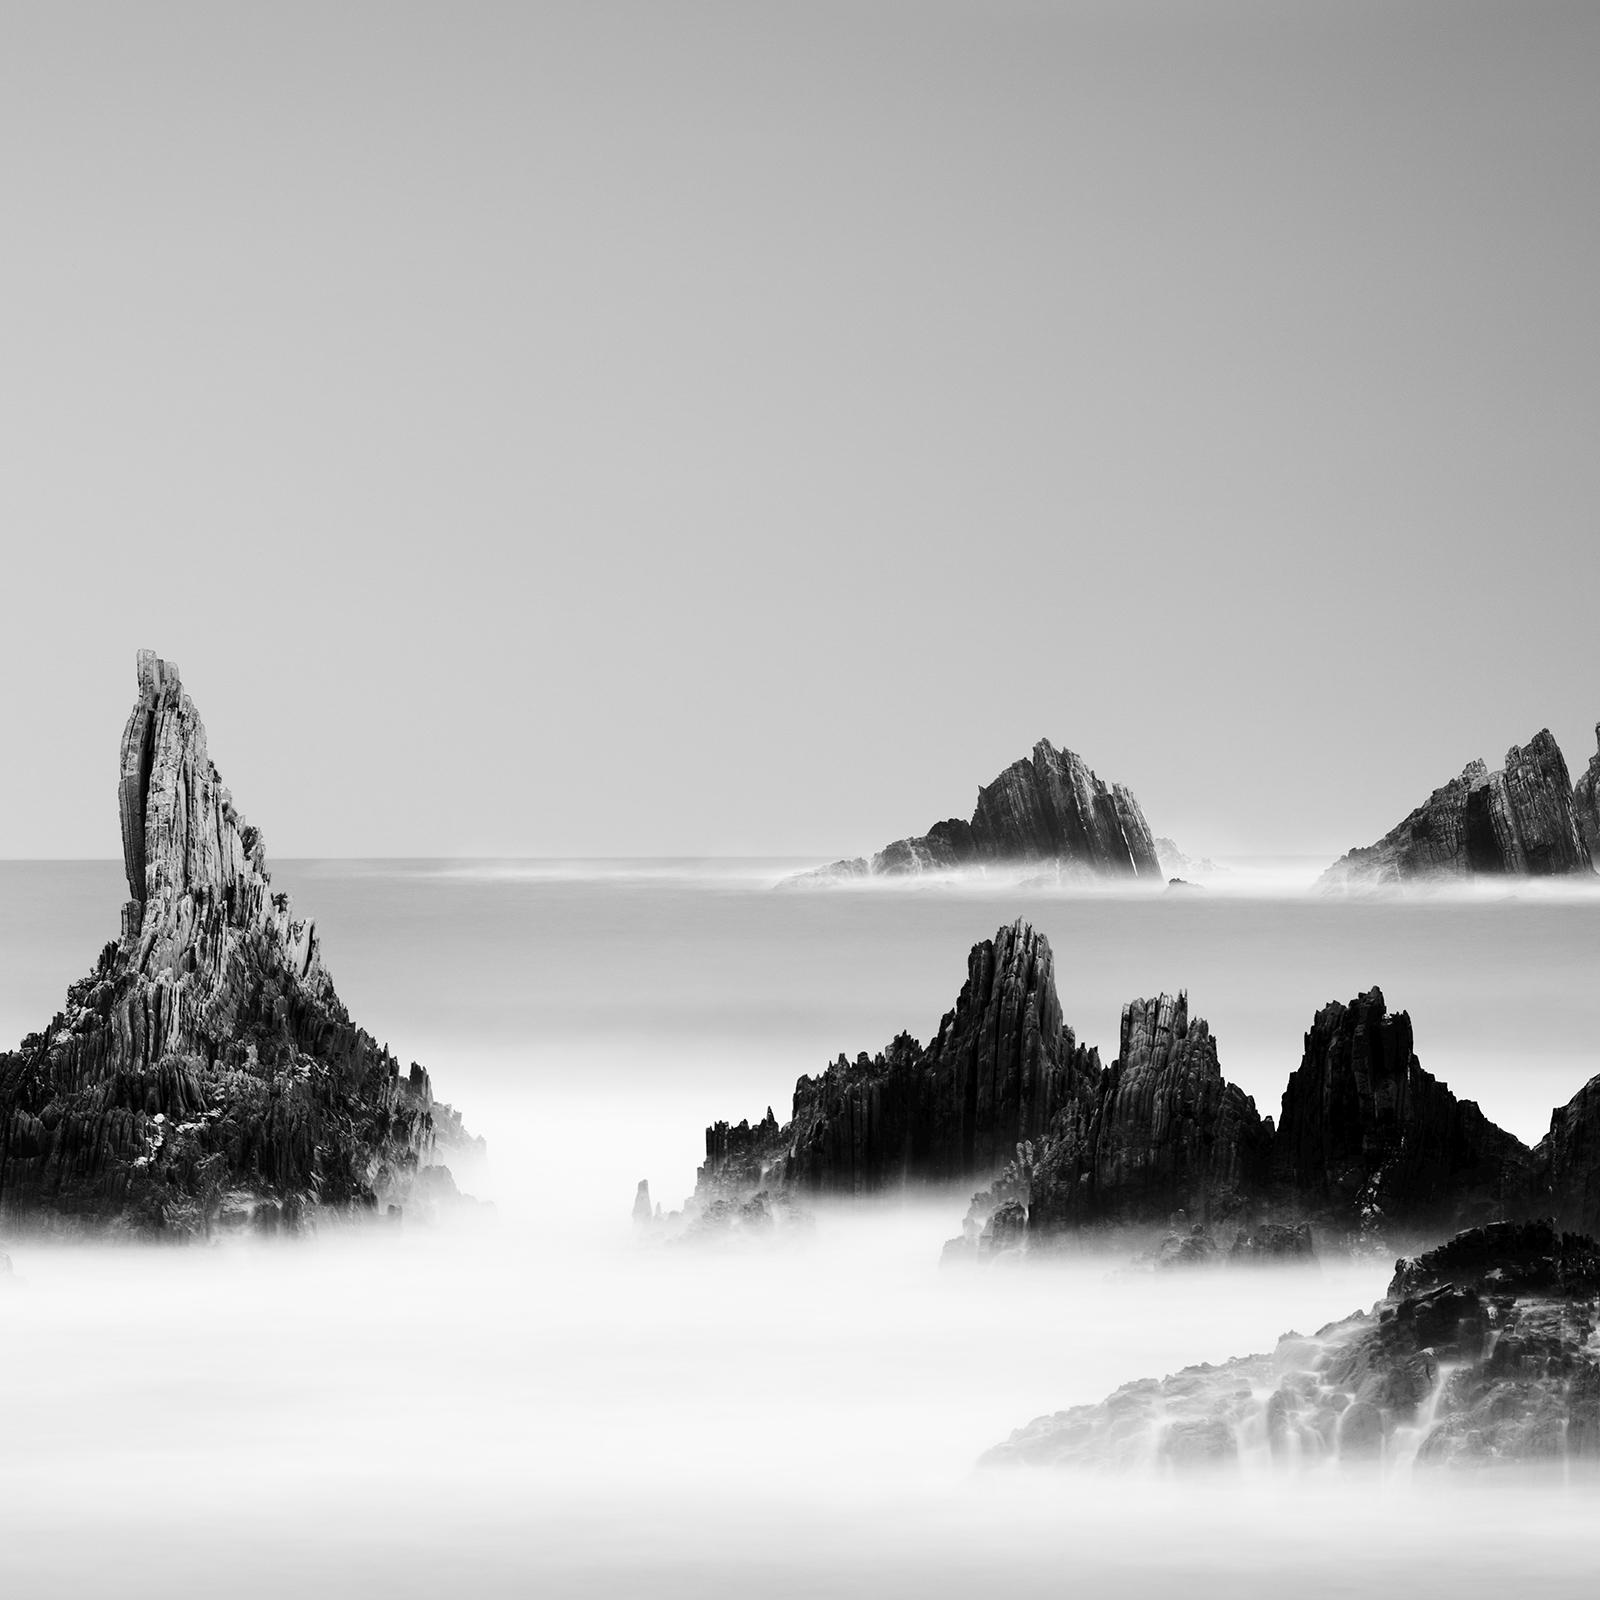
column 529, row 1401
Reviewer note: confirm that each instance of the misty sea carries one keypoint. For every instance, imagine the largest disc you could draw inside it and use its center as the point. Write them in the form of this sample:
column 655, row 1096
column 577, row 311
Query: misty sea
column 528, row 1401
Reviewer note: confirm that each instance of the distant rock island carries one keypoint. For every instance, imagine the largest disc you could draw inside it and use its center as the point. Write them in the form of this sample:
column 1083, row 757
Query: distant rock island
column 1048, row 809
column 1483, row 1351
column 205, row 1074
column 1527, row 819
column 1368, row 1144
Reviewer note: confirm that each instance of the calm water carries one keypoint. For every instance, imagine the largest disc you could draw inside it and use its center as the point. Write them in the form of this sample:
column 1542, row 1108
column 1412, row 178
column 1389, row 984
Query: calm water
column 534, row 1405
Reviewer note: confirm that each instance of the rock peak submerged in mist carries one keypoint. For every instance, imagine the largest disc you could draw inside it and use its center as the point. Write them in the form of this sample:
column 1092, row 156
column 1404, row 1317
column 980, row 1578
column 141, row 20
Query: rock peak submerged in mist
column 1049, row 810
column 205, row 1071
column 1367, row 1144
column 1524, row 820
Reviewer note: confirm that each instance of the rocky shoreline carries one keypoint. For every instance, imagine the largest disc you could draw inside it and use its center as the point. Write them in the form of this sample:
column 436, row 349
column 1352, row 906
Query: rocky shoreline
column 1484, row 1351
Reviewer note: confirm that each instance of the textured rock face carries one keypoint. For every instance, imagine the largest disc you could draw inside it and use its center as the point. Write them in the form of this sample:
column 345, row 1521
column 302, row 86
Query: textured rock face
column 1567, row 1160
column 1483, row 1351
column 1049, row 808
column 1000, row 1067
column 1521, row 820
column 1369, row 1137
column 1163, row 1131
column 1586, row 804
column 206, row 1070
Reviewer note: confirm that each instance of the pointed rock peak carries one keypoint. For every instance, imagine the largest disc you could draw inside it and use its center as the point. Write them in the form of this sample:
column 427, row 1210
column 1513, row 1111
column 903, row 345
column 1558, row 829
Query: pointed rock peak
column 180, row 832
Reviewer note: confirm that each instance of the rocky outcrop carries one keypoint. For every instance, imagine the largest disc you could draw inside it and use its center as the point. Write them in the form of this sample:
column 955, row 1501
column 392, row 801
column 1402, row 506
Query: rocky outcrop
column 1163, row 1131
column 1483, row 1351
column 1370, row 1140
column 205, row 1070
column 1586, row 804
column 1047, row 809
column 1001, row 1066
column 1521, row 820
column 1567, row 1160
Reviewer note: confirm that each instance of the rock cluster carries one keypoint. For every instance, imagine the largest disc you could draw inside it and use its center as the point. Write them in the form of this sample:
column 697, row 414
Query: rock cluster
column 1049, row 808
column 1484, row 1350
column 205, row 1071
column 1368, row 1145
column 1521, row 820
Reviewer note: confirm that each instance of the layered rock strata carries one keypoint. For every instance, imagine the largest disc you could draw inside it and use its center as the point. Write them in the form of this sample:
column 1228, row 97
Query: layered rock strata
column 1162, row 1131
column 1484, row 1350
column 1586, row 803
column 1001, row 1066
column 1049, row 808
column 205, row 1070
column 1567, row 1161
column 1369, row 1138
column 1520, row 820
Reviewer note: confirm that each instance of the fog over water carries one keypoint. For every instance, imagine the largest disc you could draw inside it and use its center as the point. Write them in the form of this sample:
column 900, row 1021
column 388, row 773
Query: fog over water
column 529, row 1402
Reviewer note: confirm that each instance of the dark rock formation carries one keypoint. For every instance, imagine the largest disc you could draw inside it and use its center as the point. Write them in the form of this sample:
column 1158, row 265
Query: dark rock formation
column 1483, row 1351
column 205, row 1070
column 1049, row 808
column 1162, row 1131
column 1521, row 820
column 1001, row 1066
column 1368, row 1139
column 1586, row 804
column 1274, row 1241
column 1567, row 1160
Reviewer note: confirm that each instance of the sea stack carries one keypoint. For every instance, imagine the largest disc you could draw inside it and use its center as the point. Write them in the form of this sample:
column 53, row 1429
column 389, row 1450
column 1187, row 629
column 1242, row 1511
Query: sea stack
column 205, row 1073
column 1519, row 821
column 1047, row 810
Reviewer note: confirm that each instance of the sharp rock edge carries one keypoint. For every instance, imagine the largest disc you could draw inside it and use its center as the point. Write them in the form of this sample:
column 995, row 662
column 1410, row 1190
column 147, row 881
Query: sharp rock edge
column 205, row 1075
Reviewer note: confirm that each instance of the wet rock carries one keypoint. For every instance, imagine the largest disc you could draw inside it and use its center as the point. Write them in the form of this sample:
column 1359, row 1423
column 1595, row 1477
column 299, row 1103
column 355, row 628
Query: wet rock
column 1272, row 1242
column 205, row 1068
column 1006, row 1229
column 1485, row 1350
column 1523, row 820
column 1049, row 807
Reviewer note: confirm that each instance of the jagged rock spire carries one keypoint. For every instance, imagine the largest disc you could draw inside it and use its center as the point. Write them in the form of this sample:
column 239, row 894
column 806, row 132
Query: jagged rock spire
column 206, row 1064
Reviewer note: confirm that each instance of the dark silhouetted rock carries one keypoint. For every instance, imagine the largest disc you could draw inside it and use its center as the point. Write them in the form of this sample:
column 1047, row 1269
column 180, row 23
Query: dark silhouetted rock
column 1567, row 1160
column 1586, row 804
column 1371, row 1140
column 205, row 1071
column 999, row 1068
column 1274, row 1242
column 1483, row 1351
column 1521, row 820
column 1048, row 808
column 1161, row 1131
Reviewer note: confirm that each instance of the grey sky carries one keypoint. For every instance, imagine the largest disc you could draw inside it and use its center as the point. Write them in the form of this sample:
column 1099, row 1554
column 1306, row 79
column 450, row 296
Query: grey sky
column 680, row 428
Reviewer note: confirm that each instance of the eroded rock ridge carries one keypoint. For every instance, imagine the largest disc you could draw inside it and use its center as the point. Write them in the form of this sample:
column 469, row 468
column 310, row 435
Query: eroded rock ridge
column 1048, row 808
column 205, row 1070
column 1522, row 820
